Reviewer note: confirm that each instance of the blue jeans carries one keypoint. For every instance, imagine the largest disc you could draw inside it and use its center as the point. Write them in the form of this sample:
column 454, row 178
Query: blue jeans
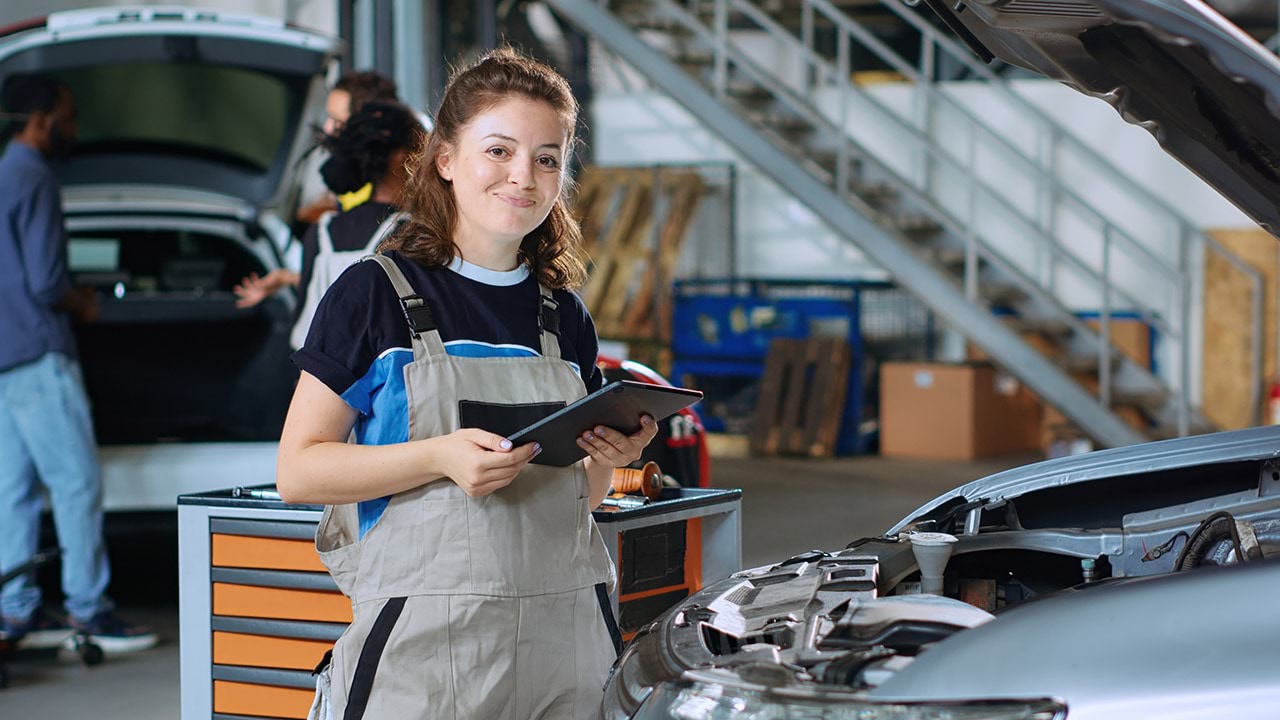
column 46, row 437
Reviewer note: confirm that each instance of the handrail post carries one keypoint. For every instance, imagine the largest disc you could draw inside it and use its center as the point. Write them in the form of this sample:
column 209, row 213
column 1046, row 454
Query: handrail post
column 806, row 38
column 1184, row 337
column 843, row 68
column 924, row 109
column 1104, row 347
column 720, row 74
column 970, row 230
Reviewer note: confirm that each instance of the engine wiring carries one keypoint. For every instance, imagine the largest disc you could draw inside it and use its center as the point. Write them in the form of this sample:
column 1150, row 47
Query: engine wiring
column 1163, row 548
column 1188, row 557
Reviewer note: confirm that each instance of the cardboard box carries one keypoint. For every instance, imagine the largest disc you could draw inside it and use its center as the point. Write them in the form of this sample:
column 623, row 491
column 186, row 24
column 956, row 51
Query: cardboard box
column 955, row 412
column 1131, row 336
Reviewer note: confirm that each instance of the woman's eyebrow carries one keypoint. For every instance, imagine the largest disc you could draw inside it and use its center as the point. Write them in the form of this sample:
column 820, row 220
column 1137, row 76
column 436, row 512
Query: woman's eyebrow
column 510, row 139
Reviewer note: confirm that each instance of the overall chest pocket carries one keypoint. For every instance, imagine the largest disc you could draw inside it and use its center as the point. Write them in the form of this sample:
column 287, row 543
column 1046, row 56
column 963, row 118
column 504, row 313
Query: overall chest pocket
column 502, row 418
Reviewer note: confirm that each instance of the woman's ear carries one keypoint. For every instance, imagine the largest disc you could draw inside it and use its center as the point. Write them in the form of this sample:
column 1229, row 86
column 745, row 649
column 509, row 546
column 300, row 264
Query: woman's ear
column 444, row 163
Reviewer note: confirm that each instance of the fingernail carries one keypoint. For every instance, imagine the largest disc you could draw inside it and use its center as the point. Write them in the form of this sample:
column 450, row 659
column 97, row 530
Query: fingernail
column 600, row 431
column 537, row 448
column 582, row 442
column 505, row 444
column 647, row 420
column 589, row 436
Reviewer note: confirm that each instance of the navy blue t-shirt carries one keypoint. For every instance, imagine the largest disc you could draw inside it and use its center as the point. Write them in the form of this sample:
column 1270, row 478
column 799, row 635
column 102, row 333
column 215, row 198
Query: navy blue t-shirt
column 359, row 341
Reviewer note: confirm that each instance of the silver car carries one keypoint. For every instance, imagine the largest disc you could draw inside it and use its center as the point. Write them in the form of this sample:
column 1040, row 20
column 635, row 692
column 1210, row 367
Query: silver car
column 192, row 124
column 1085, row 587
column 1130, row 583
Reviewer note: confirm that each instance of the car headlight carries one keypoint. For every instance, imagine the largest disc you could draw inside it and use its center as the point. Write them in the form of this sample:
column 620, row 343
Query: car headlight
column 634, row 675
column 702, row 698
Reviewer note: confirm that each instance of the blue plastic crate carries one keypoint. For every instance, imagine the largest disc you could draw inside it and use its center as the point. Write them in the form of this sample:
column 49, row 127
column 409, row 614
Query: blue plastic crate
column 722, row 329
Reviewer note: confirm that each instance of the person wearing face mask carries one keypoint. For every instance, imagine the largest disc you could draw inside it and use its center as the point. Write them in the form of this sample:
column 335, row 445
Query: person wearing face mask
column 478, row 578
column 369, row 150
column 46, row 434
column 316, row 198
column 349, row 94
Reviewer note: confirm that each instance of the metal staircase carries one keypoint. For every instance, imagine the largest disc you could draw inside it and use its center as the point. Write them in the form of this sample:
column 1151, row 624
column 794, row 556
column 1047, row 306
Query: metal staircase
column 898, row 201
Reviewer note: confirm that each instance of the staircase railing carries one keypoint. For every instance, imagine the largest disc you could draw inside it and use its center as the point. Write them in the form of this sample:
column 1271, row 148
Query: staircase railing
column 822, row 74
column 1189, row 239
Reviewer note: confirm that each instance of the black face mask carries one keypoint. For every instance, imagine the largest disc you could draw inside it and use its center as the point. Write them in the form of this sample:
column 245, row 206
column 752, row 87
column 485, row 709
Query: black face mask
column 60, row 144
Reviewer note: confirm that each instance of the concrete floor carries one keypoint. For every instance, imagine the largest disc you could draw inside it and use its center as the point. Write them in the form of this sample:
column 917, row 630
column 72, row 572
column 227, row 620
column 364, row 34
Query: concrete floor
column 788, row 506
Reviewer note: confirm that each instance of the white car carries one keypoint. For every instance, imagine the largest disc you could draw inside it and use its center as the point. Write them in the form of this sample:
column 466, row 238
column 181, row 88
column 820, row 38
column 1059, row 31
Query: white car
column 192, row 125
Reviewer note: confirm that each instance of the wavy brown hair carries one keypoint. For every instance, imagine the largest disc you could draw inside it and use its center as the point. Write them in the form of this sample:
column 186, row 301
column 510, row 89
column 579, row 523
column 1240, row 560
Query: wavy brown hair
column 551, row 250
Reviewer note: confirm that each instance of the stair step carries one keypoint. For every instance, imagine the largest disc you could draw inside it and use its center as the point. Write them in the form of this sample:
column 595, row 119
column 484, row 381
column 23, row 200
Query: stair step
column 1056, row 329
column 874, row 192
column 915, row 223
column 1002, row 295
column 662, row 25
column 785, row 124
column 1085, row 363
column 693, row 59
column 749, row 93
column 1150, row 401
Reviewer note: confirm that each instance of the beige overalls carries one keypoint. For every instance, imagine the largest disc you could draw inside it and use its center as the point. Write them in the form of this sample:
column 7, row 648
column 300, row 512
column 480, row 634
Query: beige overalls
column 473, row 608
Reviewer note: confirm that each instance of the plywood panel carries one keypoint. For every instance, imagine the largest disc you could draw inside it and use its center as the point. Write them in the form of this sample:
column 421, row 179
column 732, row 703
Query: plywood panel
column 261, row 700
column 1228, row 329
column 240, row 551
column 267, row 652
column 280, row 603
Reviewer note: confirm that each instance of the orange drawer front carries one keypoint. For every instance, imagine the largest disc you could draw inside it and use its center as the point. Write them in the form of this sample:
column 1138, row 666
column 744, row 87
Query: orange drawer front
column 280, row 604
column 267, row 652
column 243, row 551
column 261, row 700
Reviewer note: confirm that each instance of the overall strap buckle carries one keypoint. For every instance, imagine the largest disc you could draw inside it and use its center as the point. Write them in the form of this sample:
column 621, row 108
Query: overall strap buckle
column 549, row 316
column 418, row 314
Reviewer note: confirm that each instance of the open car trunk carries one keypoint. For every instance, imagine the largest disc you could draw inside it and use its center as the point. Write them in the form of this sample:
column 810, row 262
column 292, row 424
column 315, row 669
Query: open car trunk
column 174, row 97
column 172, row 357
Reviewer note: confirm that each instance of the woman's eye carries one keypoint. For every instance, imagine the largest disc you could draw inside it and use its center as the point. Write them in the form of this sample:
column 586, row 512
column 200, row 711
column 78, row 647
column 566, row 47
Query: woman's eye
column 498, row 152
column 548, row 161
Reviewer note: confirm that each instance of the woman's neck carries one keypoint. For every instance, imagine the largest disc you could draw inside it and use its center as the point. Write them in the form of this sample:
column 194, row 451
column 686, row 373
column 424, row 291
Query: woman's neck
column 488, row 254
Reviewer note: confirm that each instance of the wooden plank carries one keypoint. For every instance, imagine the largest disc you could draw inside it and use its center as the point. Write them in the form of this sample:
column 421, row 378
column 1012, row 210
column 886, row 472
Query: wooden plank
column 771, row 421
column 684, row 189
column 828, row 379
column 595, row 196
column 1228, row 333
column 632, row 210
column 629, row 261
column 798, row 388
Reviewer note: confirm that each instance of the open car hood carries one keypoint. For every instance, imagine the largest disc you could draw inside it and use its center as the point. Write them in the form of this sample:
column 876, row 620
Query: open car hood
column 178, row 97
column 1208, row 92
column 1098, row 467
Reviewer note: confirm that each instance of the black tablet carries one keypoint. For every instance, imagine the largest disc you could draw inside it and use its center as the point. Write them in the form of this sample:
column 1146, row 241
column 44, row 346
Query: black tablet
column 617, row 405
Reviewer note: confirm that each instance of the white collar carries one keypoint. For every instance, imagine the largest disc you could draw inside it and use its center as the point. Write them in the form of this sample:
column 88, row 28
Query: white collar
column 490, row 277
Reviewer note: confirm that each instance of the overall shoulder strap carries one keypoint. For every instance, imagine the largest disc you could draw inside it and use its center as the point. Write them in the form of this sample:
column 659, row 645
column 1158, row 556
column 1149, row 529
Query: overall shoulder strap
column 323, row 237
column 549, row 323
column 422, row 324
column 387, row 227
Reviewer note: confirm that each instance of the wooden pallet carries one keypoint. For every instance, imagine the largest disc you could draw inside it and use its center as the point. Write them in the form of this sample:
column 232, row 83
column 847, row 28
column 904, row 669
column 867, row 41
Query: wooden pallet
column 802, row 395
column 628, row 291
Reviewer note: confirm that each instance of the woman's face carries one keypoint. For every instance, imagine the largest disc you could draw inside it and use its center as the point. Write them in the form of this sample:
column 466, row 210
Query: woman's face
column 506, row 172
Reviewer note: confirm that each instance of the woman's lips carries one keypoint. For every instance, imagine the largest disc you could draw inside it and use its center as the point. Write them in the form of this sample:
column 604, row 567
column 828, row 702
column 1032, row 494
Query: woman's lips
column 516, row 201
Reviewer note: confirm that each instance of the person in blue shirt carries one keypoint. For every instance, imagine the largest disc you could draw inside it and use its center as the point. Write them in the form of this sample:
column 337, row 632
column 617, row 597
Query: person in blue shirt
column 46, row 432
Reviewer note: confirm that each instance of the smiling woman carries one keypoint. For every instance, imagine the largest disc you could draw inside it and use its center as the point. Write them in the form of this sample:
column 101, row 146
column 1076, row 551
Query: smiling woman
column 474, row 568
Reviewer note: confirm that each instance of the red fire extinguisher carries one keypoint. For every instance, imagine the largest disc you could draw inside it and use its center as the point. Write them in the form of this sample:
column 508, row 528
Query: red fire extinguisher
column 1273, row 403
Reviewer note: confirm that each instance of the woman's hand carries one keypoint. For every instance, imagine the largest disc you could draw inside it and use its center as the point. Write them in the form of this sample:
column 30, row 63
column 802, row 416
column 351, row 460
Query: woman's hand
column 481, row 462
column 608, row 447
